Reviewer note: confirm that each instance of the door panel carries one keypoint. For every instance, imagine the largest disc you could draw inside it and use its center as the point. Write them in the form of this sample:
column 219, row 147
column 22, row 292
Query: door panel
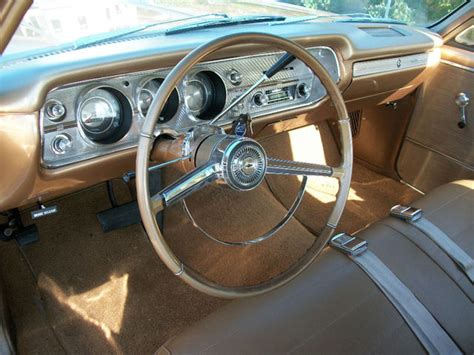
column 436, row 150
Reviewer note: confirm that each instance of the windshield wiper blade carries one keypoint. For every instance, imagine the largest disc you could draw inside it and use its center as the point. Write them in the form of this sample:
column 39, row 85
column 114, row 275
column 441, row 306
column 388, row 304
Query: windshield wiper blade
column 349, row 17
column 93, row 40
column 231, row 21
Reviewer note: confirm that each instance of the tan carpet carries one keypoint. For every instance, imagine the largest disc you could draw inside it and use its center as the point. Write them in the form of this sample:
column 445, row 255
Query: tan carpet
column 371, row 194
column 102, row 293
column 109, row 293
column 235, row 216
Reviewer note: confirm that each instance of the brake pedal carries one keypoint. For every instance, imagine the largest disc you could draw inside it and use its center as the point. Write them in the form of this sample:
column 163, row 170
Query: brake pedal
column 119, row 217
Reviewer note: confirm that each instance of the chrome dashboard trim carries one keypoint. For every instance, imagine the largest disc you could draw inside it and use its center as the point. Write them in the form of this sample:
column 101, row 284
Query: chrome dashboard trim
column 182, row 120
column 379, row 66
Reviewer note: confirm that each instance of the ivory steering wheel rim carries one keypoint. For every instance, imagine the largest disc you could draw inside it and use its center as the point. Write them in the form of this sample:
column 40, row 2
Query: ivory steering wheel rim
column 146, row 141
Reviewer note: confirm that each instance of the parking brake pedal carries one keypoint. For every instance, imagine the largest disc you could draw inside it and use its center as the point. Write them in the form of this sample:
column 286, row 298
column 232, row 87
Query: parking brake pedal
column 14, row 229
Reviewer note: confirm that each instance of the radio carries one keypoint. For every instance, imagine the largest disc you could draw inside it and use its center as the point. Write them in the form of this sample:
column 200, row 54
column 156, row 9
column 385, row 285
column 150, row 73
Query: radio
column 287, row 93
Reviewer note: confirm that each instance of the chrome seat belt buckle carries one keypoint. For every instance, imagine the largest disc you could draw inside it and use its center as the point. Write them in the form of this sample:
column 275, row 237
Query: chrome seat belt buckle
column 348, row 244
column 406, row 213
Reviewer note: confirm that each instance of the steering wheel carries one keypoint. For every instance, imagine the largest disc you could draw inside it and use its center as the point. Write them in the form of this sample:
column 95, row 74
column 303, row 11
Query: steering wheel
column 241, row 163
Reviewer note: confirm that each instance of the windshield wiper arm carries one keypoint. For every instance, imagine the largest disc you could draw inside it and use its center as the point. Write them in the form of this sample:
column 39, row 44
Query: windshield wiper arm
column 90, row 41
column 230, row 21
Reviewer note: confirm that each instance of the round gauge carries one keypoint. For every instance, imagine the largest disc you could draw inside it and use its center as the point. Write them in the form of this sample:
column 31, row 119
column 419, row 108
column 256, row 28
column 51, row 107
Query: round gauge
column 102, row 116
column 146, row 95
column 204, row 95
column 145, row 98
column 198, row 93
column 100, row 111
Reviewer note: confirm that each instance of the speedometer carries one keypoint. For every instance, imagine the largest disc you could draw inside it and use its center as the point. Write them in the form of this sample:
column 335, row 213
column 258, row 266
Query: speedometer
column 104, row 115
column 99, row 112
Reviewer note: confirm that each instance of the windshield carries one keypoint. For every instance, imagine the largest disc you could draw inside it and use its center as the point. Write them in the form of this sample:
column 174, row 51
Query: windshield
column 50, row 23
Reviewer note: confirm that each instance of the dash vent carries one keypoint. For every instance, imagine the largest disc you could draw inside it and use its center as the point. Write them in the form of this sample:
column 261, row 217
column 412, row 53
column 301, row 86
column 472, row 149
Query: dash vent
column 382, row 32
column 356, row 121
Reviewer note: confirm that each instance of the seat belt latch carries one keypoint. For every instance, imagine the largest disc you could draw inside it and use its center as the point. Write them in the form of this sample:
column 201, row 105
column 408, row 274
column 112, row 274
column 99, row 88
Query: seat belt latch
column 348, row 244
column 406, row 213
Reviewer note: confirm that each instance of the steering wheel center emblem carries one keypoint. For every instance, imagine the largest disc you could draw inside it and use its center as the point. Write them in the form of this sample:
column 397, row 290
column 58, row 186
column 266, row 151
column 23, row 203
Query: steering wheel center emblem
column 249, row 165
column 246, row 164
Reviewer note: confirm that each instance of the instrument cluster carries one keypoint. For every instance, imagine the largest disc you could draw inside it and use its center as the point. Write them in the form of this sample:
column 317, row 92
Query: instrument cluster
column 89, row 119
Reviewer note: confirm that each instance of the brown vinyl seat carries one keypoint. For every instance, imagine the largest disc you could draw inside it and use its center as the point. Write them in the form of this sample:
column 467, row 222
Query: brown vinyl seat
column 335, row 308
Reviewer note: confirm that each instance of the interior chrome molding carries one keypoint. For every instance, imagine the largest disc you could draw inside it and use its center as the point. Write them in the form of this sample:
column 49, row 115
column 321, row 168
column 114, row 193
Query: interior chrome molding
column 267, row 235
column 129, row 86
column 431, row 149
column 457, row 65
column 379, row 66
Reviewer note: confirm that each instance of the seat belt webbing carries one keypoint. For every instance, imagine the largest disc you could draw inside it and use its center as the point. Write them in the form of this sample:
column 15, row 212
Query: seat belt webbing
column 415, row 218
column 425, row 327
column 459, row 256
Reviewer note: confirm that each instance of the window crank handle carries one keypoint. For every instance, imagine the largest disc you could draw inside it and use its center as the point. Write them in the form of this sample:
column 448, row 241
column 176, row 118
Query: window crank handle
column 462, row 100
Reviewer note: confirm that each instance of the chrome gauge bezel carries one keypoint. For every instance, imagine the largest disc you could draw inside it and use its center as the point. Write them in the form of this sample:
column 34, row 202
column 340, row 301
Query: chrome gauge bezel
column 141, row 86
column 83, row 97
column 204, row 82
column 216, row 100
column 111, row 105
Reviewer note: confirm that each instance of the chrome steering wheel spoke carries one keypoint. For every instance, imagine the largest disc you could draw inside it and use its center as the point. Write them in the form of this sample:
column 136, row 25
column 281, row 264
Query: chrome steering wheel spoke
column 185, row 186
column 291, row 167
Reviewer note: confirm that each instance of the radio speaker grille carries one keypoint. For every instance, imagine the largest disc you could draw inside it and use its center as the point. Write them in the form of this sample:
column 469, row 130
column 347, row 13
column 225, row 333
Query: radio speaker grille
column 356, row 121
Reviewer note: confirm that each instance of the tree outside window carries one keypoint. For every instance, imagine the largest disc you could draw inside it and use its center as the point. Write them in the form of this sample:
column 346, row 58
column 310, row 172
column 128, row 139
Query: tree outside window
column 414, row 12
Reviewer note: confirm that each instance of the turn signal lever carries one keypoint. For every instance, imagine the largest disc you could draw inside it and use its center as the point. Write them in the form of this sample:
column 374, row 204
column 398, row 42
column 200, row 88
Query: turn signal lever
column 462, row 100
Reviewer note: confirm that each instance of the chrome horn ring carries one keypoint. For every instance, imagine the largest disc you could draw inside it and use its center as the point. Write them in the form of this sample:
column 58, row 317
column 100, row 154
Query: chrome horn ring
column 267, row 235
column 243, row 166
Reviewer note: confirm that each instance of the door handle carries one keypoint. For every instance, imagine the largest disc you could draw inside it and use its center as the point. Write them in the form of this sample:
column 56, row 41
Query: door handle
column 462, row 100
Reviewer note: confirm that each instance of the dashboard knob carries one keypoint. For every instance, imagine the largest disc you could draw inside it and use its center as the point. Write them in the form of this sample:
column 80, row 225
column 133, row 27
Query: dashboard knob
column 260, row 99
column 61, row 144
column 55, row 111
column 303, row 90
column 235, row 77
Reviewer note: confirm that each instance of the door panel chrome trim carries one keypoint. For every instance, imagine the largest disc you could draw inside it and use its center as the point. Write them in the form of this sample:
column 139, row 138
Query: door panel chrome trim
column 456, row 65
column 454, row 160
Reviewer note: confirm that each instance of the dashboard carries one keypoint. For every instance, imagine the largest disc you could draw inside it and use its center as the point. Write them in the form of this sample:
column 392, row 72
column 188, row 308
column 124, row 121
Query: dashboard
column 83, row 120
column 70, row 119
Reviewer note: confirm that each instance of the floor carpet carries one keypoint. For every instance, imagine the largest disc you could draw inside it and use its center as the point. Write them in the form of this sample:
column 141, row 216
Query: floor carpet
column 81, row 290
